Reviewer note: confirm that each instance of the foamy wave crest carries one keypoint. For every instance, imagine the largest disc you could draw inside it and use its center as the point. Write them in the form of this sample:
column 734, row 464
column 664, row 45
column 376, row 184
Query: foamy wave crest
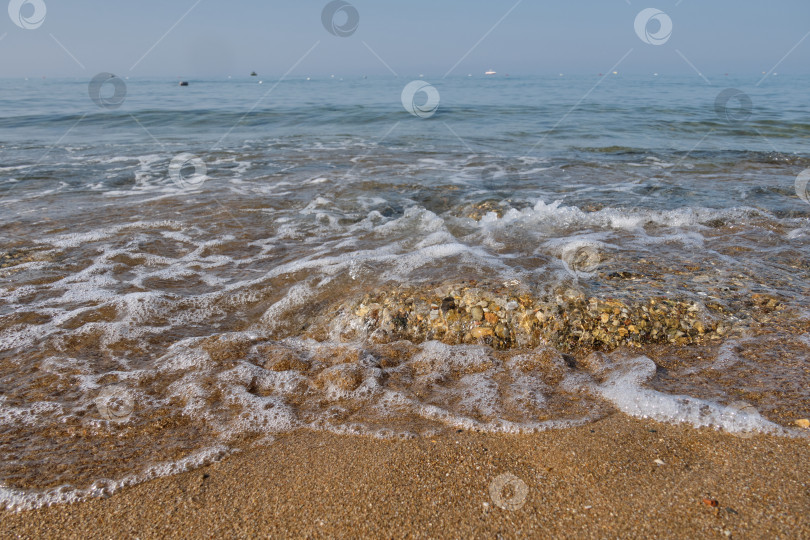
column 623, row 386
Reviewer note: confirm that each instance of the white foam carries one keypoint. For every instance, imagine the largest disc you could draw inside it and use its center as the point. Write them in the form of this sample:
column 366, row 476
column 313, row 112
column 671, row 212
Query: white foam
column 29, row 415
column 624, row 388
column 558, row 215
column 439, row 358
column 19, row 500
column 73, row 240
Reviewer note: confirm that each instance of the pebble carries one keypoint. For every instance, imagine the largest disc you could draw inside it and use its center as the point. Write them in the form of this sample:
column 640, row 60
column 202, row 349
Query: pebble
column 17, row 257
column 480, row 332
column 803, row 423
column 511, row 317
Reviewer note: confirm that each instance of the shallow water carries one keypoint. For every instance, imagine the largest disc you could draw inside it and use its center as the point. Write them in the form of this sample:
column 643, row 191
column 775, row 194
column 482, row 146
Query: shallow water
column 152, row 320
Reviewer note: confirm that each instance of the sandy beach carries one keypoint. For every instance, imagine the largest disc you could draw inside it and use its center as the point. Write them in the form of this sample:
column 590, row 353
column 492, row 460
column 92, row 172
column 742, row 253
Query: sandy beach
column 596, row 481
column 405, row 270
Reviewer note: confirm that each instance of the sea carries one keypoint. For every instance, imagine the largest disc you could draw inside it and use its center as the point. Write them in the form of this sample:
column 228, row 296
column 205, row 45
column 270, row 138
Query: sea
column 187, row 272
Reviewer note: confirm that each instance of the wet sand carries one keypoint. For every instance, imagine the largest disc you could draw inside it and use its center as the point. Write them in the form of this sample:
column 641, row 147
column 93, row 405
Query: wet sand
column 594, row 481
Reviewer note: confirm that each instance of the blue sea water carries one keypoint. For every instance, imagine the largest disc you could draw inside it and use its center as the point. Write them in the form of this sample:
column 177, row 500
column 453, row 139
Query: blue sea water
column 243, row 209
column 617, row 124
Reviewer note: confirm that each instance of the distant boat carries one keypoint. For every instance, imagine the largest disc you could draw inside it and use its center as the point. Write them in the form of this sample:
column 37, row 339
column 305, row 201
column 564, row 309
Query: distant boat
column 491, row 72
column 254, row 74
column 183, row 83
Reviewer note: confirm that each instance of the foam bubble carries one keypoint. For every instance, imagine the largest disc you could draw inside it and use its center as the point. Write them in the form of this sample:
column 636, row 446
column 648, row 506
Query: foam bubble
column 20, row 500
column 624, row 388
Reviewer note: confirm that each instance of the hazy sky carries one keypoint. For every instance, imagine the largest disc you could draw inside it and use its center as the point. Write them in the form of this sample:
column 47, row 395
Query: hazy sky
column 217, row 38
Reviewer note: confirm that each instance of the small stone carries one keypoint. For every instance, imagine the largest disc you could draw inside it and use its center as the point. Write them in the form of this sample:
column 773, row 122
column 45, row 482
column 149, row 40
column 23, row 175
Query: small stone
column 491, row 318
column 477, row 314
column 500, row 331
column 481, row 332
column 573, row 294
column 605, row 317
column 448, row 304
column 803, row 423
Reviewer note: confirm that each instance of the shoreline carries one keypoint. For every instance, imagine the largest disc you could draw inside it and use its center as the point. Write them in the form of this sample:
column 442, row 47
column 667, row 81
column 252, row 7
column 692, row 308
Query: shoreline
column 593, row 481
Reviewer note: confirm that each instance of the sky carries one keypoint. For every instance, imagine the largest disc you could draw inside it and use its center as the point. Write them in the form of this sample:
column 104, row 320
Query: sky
column 208, row 38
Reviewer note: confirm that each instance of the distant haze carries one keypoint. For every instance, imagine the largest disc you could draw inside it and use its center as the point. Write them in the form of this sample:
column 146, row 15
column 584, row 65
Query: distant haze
column 412, row 37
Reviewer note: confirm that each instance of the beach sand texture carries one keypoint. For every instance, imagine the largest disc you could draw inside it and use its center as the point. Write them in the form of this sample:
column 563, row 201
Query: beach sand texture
column 594, row 481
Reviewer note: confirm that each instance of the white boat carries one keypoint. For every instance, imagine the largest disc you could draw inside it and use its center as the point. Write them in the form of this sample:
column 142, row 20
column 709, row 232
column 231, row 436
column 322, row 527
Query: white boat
column 490, row 72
